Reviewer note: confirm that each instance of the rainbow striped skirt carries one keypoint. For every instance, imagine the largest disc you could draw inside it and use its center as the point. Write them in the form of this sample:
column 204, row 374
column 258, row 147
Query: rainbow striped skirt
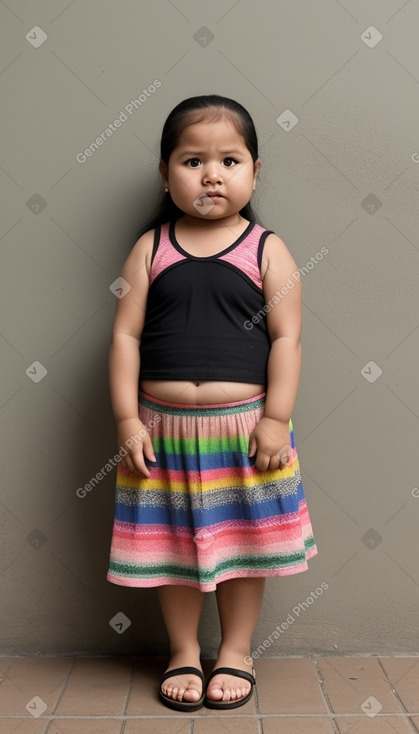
column 206, row 514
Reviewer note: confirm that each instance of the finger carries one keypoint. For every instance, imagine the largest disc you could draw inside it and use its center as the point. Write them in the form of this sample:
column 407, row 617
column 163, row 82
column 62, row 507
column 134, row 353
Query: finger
column 262, row 461
column 274, row 462
column 134, row 462
column 141, row 470
column 148, row 449
column 285, row 454
column 127, row 463
column 252, row 446
column 138, row 461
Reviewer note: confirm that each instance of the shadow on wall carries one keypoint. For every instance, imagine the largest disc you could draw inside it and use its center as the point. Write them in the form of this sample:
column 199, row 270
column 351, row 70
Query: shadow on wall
column 65, row 593
column 121, row 620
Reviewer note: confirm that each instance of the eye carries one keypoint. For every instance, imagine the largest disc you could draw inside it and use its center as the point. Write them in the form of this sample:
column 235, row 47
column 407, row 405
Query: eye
column 193, row 162
column 229, row 162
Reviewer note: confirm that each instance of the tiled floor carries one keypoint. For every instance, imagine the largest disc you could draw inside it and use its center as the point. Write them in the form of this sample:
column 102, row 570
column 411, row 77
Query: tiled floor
column 294, row 695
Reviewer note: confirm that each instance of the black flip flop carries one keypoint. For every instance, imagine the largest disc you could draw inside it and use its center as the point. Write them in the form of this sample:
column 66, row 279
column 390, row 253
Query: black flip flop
column 236, row 702
column 182, row 705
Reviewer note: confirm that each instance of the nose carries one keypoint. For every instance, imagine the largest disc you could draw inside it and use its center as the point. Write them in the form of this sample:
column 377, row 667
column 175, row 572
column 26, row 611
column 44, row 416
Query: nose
column 212, row 174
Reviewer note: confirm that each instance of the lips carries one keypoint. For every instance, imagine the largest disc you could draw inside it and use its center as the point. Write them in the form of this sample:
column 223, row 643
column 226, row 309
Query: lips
column 206, row 201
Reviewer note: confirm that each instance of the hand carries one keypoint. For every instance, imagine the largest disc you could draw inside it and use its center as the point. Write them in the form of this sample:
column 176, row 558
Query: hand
column 270, row 441
column 135, row 439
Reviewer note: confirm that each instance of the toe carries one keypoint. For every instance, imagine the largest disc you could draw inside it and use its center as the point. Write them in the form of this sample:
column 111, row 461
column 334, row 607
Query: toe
column 215, row 692
column 191, row 694
column 185, row 690
column 224, row 691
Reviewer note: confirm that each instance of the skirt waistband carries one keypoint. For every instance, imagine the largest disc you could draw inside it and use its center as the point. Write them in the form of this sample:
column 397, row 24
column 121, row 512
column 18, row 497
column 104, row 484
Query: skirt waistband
column 238, row 406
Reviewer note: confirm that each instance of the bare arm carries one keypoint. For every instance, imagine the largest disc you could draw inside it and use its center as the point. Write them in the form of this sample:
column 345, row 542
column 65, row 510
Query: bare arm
column 124, row 356
column 284, row 365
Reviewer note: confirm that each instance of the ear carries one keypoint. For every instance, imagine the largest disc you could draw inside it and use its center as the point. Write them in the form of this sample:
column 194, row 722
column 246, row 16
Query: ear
column 256, row 170
column 164, row 172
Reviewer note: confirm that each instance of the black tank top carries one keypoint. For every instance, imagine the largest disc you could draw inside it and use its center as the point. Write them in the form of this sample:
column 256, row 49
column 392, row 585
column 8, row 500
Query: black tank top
column 198, row 323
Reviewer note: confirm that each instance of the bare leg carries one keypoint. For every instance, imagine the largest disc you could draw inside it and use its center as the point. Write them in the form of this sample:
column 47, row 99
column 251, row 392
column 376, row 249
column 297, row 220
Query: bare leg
column 239, row 602
column 181, row 608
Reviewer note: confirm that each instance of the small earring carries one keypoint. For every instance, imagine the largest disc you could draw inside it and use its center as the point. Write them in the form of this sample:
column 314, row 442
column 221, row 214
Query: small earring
column 166, row 189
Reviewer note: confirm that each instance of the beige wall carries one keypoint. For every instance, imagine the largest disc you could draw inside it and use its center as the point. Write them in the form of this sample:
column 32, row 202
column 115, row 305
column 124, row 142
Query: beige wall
column 67, row 226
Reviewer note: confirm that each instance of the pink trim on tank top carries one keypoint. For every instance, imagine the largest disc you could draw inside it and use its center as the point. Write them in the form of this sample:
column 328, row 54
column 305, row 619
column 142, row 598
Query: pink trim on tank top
column 244, row 256
column 166, row 254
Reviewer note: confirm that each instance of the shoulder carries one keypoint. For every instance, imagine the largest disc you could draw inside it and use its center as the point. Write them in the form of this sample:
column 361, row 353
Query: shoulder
column 141, row 254
column 143, row 244
column 273, row 243
column 276, row 256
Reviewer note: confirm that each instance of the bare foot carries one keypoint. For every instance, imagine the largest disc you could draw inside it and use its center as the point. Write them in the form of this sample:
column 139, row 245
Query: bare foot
column 187, row 687
column 224, row 687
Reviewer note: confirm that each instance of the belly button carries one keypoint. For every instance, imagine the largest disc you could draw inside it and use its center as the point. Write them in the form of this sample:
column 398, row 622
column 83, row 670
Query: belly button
column 197, row 383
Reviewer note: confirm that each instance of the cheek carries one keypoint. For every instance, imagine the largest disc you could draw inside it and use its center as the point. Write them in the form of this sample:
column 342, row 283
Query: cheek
column 243, row 174
column 183, row 189
column 177, row 182
column 189, row 182
column 241, row 182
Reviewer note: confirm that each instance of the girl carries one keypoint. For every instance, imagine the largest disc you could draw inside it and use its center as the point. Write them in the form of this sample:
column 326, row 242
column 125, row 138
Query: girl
column 204, row 370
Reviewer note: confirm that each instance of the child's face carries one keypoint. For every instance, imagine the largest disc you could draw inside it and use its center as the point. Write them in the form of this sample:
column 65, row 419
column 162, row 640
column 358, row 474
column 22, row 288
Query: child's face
column 211, row 158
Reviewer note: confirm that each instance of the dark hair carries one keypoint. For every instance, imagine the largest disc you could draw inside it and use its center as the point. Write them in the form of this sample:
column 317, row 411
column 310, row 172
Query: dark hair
column 187, row 112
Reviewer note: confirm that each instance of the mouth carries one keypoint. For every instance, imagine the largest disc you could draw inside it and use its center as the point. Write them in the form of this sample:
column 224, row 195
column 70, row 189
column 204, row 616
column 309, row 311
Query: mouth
column 211, row 195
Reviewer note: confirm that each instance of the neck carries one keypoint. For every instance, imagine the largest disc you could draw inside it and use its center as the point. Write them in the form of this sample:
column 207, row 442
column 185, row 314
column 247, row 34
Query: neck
column 231, row 221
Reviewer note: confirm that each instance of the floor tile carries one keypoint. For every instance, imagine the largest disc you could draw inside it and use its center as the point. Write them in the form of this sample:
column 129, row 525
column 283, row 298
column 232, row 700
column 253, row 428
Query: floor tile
column 403, row 673
column 36, row 682
column 248, row 709
column 288, row 686
column 288, row 694
column 157, row 726
column 5, row 663
column 356, row 685
column 97, row 687
column 144, row 700
column 22, row 726
column 227, row 725
column 379, row 725
column 297, row 725
column 85, row 726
